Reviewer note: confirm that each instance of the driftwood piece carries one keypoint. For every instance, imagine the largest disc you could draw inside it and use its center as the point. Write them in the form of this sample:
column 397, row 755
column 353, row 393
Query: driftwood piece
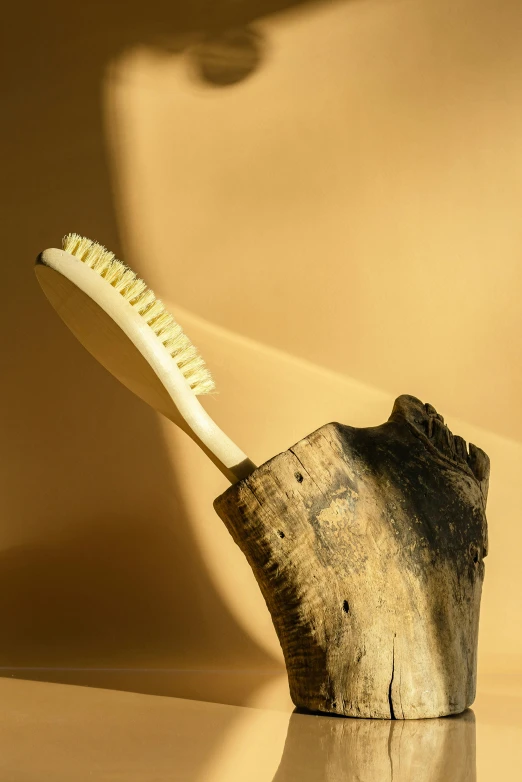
column 368, row 546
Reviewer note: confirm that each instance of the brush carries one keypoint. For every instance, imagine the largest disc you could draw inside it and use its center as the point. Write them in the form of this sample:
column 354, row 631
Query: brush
column 119, row 320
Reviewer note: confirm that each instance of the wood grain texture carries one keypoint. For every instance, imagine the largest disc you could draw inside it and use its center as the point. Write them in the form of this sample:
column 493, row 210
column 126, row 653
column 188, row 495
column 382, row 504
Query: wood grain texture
column 368, row 546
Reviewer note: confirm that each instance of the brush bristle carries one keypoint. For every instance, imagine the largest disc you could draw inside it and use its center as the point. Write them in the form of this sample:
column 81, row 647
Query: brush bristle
column 151, row 309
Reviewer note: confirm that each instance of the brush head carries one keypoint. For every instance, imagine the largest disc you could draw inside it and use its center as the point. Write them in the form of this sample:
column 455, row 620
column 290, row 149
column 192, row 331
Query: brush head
column 122, row 324
column 150, row 308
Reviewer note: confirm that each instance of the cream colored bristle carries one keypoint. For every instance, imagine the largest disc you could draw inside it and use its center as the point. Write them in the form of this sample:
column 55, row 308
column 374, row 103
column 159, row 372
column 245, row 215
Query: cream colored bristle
column 135, row 291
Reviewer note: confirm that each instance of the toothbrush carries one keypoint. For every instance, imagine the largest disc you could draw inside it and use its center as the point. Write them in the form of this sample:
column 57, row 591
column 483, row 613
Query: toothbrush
column 119, row 320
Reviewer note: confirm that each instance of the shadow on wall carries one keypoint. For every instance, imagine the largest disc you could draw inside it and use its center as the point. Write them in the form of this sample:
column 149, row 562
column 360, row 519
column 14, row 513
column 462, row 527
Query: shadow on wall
column 98, row 566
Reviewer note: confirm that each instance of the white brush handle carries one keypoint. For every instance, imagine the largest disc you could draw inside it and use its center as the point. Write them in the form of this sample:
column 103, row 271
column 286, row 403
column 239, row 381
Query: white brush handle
column 74, row 289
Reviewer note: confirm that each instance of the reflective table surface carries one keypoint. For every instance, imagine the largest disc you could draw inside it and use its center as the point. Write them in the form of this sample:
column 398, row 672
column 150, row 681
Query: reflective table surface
column 56, row 731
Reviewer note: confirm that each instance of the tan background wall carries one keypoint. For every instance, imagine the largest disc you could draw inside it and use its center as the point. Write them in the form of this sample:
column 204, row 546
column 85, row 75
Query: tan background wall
column 338, row 228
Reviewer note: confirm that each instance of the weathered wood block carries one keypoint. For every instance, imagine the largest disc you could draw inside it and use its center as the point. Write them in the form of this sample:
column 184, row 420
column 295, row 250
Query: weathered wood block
column 368, row 545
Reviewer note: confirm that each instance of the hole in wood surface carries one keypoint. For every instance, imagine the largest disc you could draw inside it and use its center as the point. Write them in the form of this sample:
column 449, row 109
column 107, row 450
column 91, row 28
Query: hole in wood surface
column 281, row 533
column 298, row 477
column 346, row 607
column 475, row 558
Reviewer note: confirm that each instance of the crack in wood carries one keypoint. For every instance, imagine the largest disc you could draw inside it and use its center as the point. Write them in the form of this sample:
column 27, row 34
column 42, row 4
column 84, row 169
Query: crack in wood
column 320, row 488
column 390, row 699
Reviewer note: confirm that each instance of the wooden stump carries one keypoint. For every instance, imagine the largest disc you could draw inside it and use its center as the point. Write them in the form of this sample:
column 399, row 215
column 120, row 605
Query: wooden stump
column 368, row 546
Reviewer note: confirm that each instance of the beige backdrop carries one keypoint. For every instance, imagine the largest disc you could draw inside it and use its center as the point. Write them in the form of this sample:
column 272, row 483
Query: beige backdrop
column 337, row 228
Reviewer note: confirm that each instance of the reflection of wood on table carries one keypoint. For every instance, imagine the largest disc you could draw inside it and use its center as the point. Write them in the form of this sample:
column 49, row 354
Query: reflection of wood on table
column 368, row 546
column 442, row 750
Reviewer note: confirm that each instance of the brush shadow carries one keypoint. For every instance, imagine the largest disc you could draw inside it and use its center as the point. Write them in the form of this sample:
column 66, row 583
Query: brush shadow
column 99, row 566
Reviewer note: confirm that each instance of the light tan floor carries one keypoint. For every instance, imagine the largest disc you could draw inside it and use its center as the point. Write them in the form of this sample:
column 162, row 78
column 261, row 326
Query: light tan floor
column 58, row 732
